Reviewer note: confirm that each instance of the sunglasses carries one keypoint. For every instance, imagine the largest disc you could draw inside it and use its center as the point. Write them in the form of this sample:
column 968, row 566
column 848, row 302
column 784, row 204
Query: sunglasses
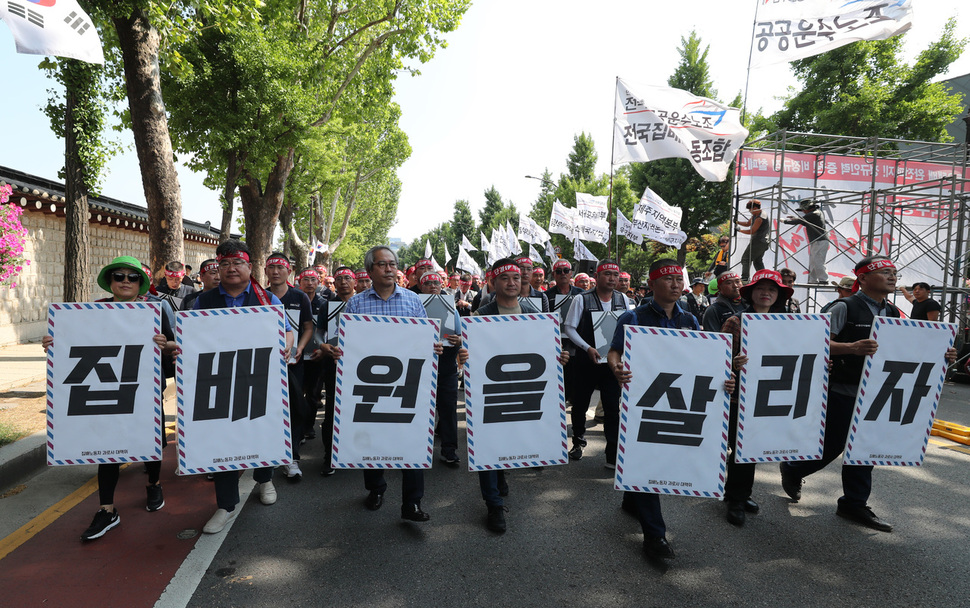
column 119, row 277
column 563, row 271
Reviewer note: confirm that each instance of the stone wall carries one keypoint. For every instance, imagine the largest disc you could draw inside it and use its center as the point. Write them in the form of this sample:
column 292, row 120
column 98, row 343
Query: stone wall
column 23, row 309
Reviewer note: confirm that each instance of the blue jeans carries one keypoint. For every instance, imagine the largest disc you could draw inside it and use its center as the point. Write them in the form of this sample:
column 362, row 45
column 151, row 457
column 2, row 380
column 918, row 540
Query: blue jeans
column 490, row 482
column 647, row 507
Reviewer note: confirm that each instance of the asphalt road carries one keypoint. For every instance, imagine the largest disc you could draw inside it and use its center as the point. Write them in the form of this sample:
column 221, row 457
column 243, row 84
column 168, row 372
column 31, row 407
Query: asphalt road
column 569, row 544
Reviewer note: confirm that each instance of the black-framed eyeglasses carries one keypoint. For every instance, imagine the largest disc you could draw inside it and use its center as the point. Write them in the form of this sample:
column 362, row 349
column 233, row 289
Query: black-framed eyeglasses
column 119, row 277
column 563, row 271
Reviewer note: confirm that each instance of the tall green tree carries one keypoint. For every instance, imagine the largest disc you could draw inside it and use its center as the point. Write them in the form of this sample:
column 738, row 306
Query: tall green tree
column 462, row 224
column 865, row 89
column 493, row 205
column 581, row 164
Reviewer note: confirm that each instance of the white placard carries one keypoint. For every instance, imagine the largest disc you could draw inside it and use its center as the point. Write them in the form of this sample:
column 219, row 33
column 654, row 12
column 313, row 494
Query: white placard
column 334, row 308
column 784, row 387
column 515, row 410
column 385, row 392
column 674, row 412
column 104, row 393
column 560, row 304
column 233, row 398
column 441, row 307
column 899, row 392
column 604, row 326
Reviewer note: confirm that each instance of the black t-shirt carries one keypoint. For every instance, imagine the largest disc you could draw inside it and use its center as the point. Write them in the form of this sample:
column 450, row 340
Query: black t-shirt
column 922, row 309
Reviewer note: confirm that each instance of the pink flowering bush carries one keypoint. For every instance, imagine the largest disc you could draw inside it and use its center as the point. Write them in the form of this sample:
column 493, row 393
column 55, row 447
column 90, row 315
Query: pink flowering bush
column 12, row 238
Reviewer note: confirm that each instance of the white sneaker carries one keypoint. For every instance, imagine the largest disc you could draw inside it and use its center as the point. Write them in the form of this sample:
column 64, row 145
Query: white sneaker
column 293, row 471
column 219, row 521
column 267, row 493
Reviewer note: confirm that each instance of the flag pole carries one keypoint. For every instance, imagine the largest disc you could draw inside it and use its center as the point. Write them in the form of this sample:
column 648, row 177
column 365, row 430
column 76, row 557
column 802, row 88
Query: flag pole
column 747, row 78
column 609, row 200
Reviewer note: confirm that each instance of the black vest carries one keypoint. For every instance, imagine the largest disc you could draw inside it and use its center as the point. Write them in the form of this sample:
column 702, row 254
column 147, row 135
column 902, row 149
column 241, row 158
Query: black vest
column 591, row 302
column 847, row 369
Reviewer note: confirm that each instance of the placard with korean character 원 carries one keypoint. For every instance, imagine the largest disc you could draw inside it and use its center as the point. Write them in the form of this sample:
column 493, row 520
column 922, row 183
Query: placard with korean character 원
column 783, row 387
column 384, row 403
column 104, row 395
column 674, row 412
column 231, row 385
column 515, row 411
column 899, row 393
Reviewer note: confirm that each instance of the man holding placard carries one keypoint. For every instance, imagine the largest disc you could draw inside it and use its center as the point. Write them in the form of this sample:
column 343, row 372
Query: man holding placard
column 852, row 319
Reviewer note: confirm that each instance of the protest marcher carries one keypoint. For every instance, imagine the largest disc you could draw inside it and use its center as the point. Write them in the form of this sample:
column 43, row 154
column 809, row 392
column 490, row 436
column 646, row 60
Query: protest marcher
column 759, row 230
column 623, row 285
column 722, row 260
column 925, row 308
column 322, row 289
column 237, row 288
column 126, row 281
column 323, row 357
column 209, row 276
column 465, row 295
column 528, row 291
column 363, row 280
column 851, row 321
column 590, row 371
column 446, row 397
column 563, row 272
column 487, row 292
column 388, row 299
column 296, row 303
column 172, row 284
column 452, row 287
column 662, row 310
column 766, row 293
column 727, row 304
column 818, row 239
column 696, row 302
column 581, row 280
column 188, row 279
column 539, row 278
column 844, row 286
column 308, row 280
column 476, row 282
column 402, row 279
column 788, row 280
column 507, row 279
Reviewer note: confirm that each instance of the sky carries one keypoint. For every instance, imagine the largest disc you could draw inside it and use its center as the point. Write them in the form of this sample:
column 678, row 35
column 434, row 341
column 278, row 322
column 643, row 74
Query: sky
column 518, row 80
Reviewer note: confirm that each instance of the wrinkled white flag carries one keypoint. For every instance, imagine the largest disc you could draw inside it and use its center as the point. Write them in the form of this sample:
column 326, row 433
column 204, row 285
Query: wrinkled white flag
column 466, row 263
column 563, row 220
column 580, row 252
column 652, row 122
column 534, row 255
column 551, row 251
column 447, row 255
column 592, row 218
column 49, row 27
column 786, row 31
column 626, row 228
column 514, row 246
column 466, row 244
column 486, row 245
column 427, row 249
column 657, row 220
column 531, row 232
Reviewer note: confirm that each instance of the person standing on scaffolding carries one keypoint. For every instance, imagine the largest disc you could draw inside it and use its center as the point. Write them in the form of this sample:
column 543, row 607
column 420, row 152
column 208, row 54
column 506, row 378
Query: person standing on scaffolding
column 759, row 228
column 818, row 239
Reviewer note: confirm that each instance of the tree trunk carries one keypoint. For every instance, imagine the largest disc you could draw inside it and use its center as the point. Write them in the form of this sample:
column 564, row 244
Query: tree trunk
column 139, row 43
column 228, row 197
column 261, row 210
column 296, row 247
column 76, row 211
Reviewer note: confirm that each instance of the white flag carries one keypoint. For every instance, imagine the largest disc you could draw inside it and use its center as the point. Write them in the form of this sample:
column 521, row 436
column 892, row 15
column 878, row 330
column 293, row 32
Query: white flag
column 447, row 255
column 514, row 246
column 655, row 219
column 534, row 255
column 592, row 223
column 786, row 31
column 531, row 232
column 563, row 220
column 486, row 246
column 551, row 251
column 466, row 263
column 580, row 252
column 466, row 244
column 427, row 249
column 625, row 228
column 46, row 27
column 661, row 122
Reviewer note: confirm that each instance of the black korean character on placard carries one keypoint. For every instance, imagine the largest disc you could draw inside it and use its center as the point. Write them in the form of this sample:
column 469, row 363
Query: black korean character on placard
column 514, row 395
column 83, row 401
column 788, row 365
column 378, row 373
column 890, row 393
column 242, row 376
column 678, row 425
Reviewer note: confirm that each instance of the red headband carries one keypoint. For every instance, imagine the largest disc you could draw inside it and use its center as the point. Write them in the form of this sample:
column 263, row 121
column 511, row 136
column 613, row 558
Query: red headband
column 524, row 260
column 410, row 270
column 210, row 266
column 175, row 274
column 607, row 266
column 561, row 264
column 278, row 261
column 724, row 276
column 624, row 275
column 362, row 275
column 539, row 271
column 345, row 272
column 875, row 265
column 460, row 282
column 666, row 270
column 309, row 273
column 431, row 276
column 242, row 255
column 506, row 268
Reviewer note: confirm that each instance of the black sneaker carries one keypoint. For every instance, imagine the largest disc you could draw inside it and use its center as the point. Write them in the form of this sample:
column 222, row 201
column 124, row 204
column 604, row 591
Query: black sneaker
column 451, row 460
column 102, row 522
column 496, row 519
column 155, row 499
column 791, row 484
column 576, row 453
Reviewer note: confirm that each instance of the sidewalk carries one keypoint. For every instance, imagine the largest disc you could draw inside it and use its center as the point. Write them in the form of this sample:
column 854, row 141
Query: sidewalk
column 21, row 364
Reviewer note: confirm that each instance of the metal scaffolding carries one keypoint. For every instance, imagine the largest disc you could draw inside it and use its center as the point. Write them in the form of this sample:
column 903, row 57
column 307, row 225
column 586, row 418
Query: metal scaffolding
column 878, row 210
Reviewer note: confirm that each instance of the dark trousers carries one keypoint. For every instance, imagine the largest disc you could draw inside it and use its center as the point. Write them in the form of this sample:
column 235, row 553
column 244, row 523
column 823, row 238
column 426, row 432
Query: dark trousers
column 856, row 480
column 312, row 384
column 754, row 253
column 446, row 400
column 299, row 409
column 329, row 376
column 227, row 485
column 740, row 476
column 647, row 509
column 490, row 483
column 412, row 487
column 589, row 377
column 108, row 475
